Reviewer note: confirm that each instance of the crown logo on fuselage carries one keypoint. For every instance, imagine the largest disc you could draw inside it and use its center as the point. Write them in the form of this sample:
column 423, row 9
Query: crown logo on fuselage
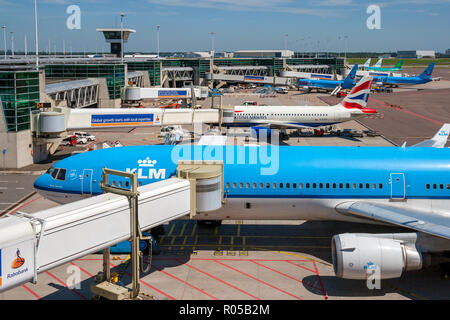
column 147, row 163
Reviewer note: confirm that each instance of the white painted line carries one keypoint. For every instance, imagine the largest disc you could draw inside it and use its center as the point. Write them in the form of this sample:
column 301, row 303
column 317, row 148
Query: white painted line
column 3, row 188
column 20, row 188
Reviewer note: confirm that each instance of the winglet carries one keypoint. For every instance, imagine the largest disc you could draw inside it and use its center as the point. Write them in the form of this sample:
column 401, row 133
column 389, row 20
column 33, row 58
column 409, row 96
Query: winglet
column 439, row 140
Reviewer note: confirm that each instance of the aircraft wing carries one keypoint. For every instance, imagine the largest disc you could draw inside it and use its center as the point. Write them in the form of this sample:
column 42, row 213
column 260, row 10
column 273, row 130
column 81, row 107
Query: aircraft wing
column 436, row 224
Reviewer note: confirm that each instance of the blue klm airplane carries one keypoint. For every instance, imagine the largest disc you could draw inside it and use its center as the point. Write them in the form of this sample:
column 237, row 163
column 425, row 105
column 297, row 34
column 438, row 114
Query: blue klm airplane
column 322, row 84
column 401, row 186
column 425, row 77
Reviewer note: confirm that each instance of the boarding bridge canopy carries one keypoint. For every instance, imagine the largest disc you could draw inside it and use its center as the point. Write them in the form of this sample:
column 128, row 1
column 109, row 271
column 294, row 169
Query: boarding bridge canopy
column 77, row 119
column 31, row 244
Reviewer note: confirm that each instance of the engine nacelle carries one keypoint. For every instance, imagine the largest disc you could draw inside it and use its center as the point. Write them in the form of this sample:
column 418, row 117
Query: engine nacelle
column 261, row 131
column 356, row 256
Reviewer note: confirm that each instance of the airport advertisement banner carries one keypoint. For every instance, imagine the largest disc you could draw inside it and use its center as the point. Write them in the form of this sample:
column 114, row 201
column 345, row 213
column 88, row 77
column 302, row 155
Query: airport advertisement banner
column 16, row 264
column 173, row 94
column 117, row 120
column 254, row 78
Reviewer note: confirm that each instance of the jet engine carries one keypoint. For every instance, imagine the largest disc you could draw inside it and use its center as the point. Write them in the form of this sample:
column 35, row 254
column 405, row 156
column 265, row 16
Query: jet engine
column 356, row 256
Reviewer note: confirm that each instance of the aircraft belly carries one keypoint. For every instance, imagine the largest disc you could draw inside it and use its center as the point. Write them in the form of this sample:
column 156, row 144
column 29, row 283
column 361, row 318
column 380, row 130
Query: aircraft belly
column 279, row 209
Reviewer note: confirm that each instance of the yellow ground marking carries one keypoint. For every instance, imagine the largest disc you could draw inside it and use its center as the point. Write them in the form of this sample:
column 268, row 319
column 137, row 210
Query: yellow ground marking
column 182, row 229
column 193, row 230
column 171, row 230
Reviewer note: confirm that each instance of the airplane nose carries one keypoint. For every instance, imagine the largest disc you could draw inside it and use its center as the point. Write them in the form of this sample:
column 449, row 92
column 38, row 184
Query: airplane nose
column 41, row 183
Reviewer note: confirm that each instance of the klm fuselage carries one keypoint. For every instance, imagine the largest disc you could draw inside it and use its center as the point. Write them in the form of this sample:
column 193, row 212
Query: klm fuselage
column 292, row 183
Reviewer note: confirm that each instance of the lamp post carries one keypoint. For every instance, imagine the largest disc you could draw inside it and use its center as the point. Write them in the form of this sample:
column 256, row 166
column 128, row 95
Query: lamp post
column 36, row 34
column 12, row 43
column 157, row 38
column 4, row 39
column 122, row 15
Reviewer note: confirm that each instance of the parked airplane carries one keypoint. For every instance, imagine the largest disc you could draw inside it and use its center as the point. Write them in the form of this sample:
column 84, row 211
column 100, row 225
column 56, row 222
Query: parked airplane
column 303, row 117
column 397, row 67
column 329, row 85
column 425, row 77
column 407, row 187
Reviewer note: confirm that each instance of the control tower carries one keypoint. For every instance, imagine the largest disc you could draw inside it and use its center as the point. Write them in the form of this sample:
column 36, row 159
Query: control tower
column 114, row 37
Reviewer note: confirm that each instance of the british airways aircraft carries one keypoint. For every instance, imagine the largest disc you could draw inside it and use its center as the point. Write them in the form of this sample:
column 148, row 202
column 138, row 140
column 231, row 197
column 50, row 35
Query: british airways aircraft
column 425, row 77
column 322, row 84
column 264, row 118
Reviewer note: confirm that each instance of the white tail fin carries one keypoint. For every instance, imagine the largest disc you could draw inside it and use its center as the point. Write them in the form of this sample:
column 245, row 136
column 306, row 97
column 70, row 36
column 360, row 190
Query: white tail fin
column 378, row 64
column 367, row 64
column 439, row 140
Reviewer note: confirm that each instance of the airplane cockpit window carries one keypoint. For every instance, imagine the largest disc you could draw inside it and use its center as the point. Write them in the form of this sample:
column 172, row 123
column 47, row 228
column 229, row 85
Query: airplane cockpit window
column 61, row 174
column 57, row 174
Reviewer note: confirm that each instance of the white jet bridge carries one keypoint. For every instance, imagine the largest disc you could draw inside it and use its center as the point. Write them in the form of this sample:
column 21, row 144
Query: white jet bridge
column 33, row 243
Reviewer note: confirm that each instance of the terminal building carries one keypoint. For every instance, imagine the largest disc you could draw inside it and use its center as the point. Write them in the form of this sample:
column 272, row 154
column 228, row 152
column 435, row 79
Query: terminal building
column 416, row 54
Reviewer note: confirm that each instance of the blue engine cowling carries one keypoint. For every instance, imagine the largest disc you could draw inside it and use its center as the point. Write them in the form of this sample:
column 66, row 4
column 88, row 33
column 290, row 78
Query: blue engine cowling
column 261, row 132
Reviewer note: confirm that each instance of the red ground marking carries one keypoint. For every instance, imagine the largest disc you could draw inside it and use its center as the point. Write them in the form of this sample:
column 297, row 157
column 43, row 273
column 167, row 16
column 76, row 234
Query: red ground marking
column 24, row 205
column 148, row 285
column 288, row 276
column 224, row 282
column 320, row 281
column 290, row 261
column 261, row 281
column 88, row 273
column 384, row 104
column 190, row 285
column 32, row 292
column 65, row 285
column 209, row 259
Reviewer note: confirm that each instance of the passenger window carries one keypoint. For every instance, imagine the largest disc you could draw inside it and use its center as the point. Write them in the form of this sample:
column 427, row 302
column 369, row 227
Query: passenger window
column 334, row 185
column 328, row 186
column 374, row 186
column 428, row 186
column 241, row 185
column 288, row 185
column 314, row 185
column 380, row 186
column 307, row 186
column 361, row 186
column 234, row 185
column 228, row 185
column 261, row 185
column 442, row 187
column 281, row 186
column 434, row 186
column 347, row 185
column 268, row 185
column 254, row 185
column 448, row 187
column 127, row 184
column 274, row 185
column 341, row 185
column 294, row 185
column 321, row 185
column 140, row 183
column 120, row 183
column 367, row 185
column 300, row 185
column 354, row 186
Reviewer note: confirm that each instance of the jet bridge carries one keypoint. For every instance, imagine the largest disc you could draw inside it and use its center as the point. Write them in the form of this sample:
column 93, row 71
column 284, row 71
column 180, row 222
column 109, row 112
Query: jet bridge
column 32, row 244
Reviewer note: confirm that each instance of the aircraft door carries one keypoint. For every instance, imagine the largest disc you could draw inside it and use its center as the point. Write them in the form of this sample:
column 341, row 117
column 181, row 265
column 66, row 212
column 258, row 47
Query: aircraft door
column 86, row 183
column 398, row 186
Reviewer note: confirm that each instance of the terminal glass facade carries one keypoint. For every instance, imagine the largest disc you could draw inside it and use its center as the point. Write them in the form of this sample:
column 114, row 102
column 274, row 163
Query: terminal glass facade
column 113, row 73
column 152, row 67
column 19, row 93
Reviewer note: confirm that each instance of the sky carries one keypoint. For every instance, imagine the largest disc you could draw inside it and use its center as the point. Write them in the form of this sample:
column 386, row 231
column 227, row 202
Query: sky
column 186, row 25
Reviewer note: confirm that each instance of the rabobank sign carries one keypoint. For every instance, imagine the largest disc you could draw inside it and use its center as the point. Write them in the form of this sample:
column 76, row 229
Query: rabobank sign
column 16, row 264
column 0, row 268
